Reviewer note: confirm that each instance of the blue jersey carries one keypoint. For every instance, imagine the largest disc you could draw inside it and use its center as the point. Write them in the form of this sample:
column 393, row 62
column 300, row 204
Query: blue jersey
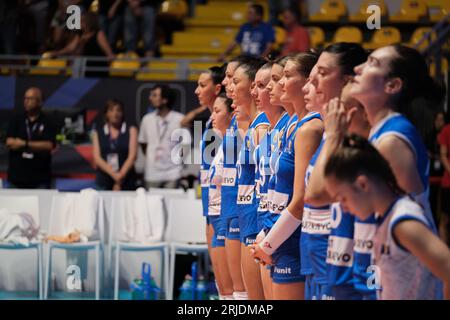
column 246, row 203
column 316, row 227
column 204, row 168
column 270, row 144
column 397, row 125
column 340, row 247
column 231, row 144
column 287, row 132
column 281, row 195
column 254, row 39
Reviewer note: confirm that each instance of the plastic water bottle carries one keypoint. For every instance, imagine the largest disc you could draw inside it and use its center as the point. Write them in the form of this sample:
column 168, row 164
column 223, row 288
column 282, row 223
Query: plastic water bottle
column 201, row 289
column 186, row 289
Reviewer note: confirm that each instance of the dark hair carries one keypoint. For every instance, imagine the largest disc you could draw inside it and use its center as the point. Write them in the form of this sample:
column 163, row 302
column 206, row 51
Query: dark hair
column 166, row 93
column 241, row 59
column 252, row 66
column 304, row 61
column 217, row 73
column 358, row 156
column 410, row 66
column 109, row 104
column 259, row 9
column 349, row 55
column 228, row 102
column 281, row 61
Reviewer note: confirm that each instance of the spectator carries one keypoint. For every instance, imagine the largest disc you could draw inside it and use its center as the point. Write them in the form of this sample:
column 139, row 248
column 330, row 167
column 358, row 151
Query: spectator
column 436, row 169
column 111, row 18
column 90, row 42
column 444, row 142
column 255, row 37
column 140, row 14
column 30, row 140
column 58, row 23
column 297, row 37
column 115, row 148
column 34, row 21
column 8, row 25
column 155, row 139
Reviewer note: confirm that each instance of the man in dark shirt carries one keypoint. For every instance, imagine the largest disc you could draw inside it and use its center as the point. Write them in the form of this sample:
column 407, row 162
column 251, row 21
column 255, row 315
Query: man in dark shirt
column 30, row 140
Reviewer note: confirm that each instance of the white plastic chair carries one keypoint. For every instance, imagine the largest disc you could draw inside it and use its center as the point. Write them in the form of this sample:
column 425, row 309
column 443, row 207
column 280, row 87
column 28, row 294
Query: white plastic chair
column 118, row 241
column 185, row 231
column 28, row 204
column 96, row 243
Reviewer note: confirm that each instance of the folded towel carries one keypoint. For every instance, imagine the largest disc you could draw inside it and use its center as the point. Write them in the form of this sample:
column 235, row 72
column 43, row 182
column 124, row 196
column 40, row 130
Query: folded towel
column 19, row 228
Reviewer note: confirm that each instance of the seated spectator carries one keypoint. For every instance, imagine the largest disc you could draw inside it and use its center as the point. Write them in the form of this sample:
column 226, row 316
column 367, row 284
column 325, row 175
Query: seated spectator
column 297, row 37
column 115, row 149
column 34, row 23
column 111, row 18
column 444, row 142
column 140, row 15
column 58, row 23
column 30, row 139
column 90, row 42
column 8, row 25
column 155, row 138
column 255, row 37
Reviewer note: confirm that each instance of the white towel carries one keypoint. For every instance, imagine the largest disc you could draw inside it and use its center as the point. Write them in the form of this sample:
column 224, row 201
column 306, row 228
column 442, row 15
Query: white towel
column 138, row 224
column 19, row 228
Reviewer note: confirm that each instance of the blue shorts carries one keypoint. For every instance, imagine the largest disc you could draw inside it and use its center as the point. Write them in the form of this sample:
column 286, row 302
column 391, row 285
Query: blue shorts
column 347, row 292
column 310, row 288
column 249, row 240
column 286, row 261
column 248, row 224
column 207, row 220
column 220, row 228
column 232, row 230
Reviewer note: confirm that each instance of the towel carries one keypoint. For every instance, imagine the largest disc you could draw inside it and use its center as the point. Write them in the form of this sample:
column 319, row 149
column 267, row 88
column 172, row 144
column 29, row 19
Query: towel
column 18, row 228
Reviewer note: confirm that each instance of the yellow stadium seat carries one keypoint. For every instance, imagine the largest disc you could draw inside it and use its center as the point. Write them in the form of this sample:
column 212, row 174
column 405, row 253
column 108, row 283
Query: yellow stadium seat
column 160, row 70
column 330, row 10
column 410, row 11
column 195, row 68
column 418, row 34
column 383, row 37
column 209, row 40
column 175, row 8
column 438, row 9
column 362, row 15
column 94, row 6
column 317, row 36
column 46, row 62
column 348, row 34
column 280, row 37
column 131, row 65
column 444, row 67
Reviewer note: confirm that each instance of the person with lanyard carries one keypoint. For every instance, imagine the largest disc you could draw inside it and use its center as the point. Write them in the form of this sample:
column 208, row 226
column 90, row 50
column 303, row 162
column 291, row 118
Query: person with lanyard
column 161, row 171
column 386, row 84
column 332, row 243
column 115, row 149
column 30, row 138
column 278, row 118
column 412, row 262
column 279, row 245
column 221, row 118
column 254, row 125
column 231, row 144
column 208, row 88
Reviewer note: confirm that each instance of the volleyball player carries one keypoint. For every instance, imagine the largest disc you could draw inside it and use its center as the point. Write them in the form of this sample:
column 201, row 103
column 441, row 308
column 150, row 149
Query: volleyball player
column 407, row 251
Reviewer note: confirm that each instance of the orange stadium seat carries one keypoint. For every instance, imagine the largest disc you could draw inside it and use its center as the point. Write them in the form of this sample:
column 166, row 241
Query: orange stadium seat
column 383, row 37
column 361, row 15
column 317, row 36
column 348, row 34
column 121, row 63
column 418, row 34
column 330, row 10
column 438, row 9
column 46, row 62
column 410, row 11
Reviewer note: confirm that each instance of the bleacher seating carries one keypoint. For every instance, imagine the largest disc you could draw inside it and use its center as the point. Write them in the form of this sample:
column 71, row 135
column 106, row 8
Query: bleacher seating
column 362, row 15
column 383, row 37
column 330, row 11
column 410, row 11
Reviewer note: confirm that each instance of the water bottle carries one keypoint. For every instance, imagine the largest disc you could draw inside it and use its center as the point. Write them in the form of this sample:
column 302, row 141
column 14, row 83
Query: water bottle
column 201, row 289
column 186, row 289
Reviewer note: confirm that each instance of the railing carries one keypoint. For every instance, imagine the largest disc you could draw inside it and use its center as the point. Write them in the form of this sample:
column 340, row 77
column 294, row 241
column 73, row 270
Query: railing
column 79, row 66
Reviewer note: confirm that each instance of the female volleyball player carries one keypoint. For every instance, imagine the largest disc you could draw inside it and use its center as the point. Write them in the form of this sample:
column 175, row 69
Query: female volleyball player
column 408, row 254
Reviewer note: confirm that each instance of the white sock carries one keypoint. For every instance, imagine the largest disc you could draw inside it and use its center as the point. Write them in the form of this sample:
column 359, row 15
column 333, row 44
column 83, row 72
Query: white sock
column 240, row 295
column 226, row 297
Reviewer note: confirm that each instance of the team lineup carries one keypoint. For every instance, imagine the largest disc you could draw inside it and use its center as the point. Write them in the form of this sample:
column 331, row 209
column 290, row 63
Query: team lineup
column 319, row 189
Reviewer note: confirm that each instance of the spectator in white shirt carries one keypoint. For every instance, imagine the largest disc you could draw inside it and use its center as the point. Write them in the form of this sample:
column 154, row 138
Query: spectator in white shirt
column 161, row 170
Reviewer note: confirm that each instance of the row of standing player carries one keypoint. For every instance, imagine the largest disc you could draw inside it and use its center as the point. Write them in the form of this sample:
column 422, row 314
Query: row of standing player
column 265, row 190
